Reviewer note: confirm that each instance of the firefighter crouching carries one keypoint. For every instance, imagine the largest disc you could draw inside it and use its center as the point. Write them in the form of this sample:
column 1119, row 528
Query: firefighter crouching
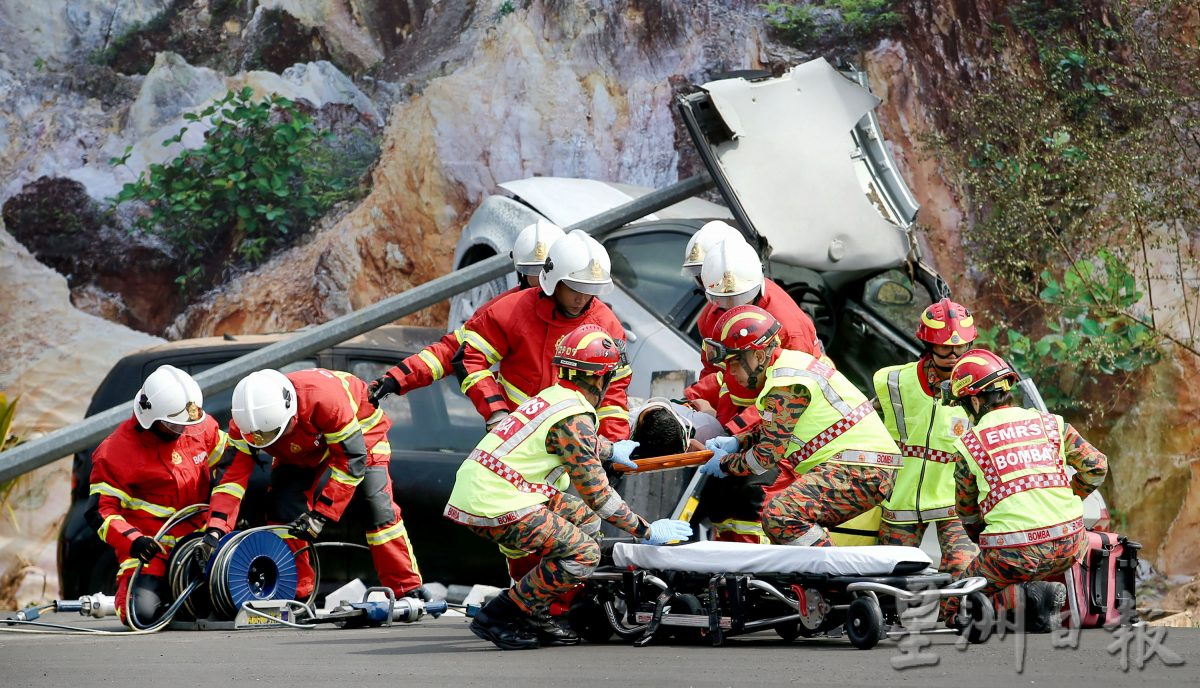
column 511, row 490
column 731, row 274
column 814, row 419
column 1014, row 496
column 909, row 399
column 310, row 422
column 152, row 465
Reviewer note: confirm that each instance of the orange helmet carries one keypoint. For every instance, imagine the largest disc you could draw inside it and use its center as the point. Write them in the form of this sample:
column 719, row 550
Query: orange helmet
column 978, row 371
column 587, row 349
column 946, row 323
column 741, row 328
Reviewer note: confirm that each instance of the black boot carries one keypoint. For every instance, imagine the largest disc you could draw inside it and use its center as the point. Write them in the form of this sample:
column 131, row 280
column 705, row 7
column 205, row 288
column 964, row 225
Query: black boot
column 503, row 623
column 549, row 632
column 1043, row 606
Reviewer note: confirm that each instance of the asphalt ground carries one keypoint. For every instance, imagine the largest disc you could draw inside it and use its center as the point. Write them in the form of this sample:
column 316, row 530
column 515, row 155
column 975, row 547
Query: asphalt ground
column 443, row 652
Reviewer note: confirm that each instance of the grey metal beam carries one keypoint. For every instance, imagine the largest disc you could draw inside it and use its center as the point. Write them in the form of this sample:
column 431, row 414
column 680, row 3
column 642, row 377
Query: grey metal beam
column 93, row 429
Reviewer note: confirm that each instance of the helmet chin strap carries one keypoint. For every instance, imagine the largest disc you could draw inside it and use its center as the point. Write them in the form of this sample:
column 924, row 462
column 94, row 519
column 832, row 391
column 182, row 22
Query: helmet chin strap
column 752, row 375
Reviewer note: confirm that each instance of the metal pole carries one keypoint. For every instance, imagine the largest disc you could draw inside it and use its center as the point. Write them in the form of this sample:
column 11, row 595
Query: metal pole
column 90, row 431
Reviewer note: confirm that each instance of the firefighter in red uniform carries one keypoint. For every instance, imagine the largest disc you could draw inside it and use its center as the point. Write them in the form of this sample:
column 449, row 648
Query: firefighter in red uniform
column 511, row 490
column 151, row 466
column 732, row 276
column 519, row 332
column 430, row 364
column 311, row 421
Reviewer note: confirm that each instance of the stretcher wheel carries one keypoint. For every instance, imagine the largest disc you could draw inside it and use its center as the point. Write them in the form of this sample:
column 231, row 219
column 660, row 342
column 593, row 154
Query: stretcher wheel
column 587, row 618
column 688, row 604
column 978, row 618
column 864, row 623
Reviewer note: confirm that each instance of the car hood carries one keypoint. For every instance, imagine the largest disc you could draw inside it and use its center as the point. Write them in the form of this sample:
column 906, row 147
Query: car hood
column 566, row 201
column 801, row 163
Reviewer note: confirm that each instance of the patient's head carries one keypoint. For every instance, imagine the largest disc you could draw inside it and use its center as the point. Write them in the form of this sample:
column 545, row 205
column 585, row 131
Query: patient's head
column 660, row 433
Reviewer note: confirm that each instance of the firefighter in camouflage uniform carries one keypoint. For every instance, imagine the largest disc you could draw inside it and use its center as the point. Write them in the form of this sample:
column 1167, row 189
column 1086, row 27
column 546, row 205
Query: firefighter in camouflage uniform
column 1013, row 493
column 511, row 490
column 908, row 396
column 813, row 419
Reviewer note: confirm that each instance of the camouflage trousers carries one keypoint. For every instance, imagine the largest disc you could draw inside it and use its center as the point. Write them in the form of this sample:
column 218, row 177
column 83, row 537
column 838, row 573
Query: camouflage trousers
column 957, row 548
column 826, row 496
column 1005, row 567
column 564, row 535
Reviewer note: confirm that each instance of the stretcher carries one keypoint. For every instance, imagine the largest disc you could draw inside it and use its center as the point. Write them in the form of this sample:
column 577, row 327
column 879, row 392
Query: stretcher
column 704, row 592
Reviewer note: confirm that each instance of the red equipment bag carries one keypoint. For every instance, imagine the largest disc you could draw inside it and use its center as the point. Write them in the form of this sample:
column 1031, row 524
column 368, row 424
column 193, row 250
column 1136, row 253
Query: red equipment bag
column 1107, row 576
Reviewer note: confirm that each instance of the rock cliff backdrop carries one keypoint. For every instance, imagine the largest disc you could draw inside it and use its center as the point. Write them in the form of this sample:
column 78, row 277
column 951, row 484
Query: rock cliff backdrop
column 457, row 95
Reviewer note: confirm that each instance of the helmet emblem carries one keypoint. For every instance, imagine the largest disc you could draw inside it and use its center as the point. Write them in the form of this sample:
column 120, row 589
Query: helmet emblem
column 955, row 339
column 176, row 458
column 193, row 411
column 540, row 251
column 695, row 255
column 728, row 282
column 597, row 271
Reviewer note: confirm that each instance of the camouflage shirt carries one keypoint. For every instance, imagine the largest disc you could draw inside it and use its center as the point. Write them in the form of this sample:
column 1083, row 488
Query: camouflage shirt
column 1090, row 464
column 767, row 444
column 575, row 441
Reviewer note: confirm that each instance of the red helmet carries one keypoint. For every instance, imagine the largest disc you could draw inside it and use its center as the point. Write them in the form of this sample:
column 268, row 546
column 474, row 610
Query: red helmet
column 946, row 323
column 980, row 370
column 741, row 328
column 588, row 349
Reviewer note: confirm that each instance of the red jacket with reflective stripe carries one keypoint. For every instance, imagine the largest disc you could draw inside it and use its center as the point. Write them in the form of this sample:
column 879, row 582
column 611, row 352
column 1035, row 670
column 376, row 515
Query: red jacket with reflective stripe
column 142, row 480
column 796, row 331
column 330, row 408
column 519, row 331
column 431, row 363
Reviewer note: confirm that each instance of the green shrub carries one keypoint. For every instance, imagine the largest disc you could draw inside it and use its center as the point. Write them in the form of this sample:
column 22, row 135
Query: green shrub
column 848, row 22
column 1078, row 154
column 264, row 173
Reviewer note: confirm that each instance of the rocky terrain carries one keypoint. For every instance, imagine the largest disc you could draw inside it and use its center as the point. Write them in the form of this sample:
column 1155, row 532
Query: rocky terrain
column 464, row 95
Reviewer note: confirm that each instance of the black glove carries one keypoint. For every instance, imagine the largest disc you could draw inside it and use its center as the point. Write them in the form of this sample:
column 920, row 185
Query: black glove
column 382, row 387
column 204, row 550
column 307, row 526
column 145, row 549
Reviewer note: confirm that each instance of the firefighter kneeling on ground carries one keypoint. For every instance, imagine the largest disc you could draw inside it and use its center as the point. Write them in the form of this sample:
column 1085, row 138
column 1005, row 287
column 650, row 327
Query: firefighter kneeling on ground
column 152, row 465
column 814, row 419
column 511, row 490
column 1014, row 496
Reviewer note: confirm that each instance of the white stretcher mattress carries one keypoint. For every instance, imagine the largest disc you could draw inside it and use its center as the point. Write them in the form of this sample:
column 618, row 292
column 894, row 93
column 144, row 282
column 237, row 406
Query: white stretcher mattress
column 742, row 557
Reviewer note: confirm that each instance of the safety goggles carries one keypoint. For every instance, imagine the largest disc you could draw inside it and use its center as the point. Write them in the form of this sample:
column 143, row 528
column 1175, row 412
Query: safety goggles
column 717, row 354
column 946, row 350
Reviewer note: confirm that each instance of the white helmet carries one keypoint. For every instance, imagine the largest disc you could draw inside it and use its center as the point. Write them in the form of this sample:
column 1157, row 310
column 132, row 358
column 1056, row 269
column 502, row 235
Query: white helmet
column 533, row 246
column 169, row 395
column 732, row 274
column 580, row 262
column 263, row 404
column 702, row 242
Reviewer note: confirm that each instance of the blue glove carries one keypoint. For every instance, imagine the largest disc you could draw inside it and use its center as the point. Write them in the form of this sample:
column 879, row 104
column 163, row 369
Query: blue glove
column 713, row 466
column 621, row 451
column 722, row 445
column 666, row 530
